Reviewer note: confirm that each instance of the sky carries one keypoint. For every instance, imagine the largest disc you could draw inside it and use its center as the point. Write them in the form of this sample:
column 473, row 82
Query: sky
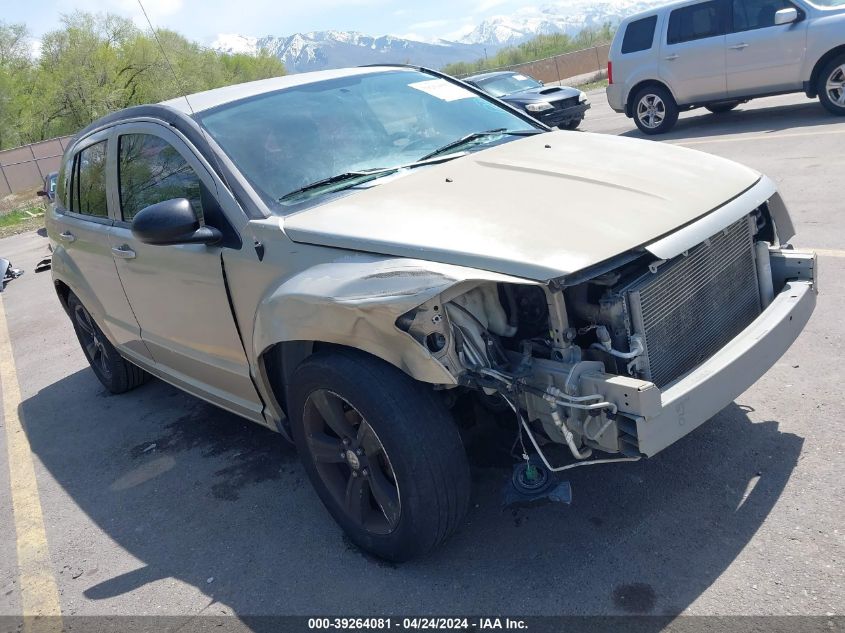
column 203, row 20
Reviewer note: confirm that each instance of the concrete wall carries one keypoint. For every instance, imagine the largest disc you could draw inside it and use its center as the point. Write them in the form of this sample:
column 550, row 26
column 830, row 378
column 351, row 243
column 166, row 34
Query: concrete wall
column 562, row 67
column 25, row 167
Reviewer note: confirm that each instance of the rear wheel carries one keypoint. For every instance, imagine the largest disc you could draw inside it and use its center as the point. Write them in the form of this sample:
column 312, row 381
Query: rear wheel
column 831, row 86
column 655, row 110
column 720, row 108
column 116, row 373
column 381, row 451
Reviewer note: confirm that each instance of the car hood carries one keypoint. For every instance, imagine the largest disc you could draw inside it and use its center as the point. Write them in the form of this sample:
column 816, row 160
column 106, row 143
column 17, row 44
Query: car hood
column 542, row 93
column 539, row 207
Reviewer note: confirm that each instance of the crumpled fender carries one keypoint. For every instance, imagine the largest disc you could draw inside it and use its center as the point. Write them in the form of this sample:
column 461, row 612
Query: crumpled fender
column 356, row 301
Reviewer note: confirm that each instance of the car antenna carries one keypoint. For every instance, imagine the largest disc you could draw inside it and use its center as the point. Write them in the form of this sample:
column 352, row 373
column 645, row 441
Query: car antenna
column 179, row 83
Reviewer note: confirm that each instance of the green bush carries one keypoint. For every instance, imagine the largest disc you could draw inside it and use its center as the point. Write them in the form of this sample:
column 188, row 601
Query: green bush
column 95, row 64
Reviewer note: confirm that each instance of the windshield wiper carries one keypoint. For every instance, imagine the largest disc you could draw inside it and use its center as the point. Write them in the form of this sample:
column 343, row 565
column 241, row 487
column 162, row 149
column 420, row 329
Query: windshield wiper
column 348, row 179
column 474, row 136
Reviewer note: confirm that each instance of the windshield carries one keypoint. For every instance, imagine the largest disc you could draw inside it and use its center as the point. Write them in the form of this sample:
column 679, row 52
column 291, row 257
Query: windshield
column 502, row 85
column 286, row 140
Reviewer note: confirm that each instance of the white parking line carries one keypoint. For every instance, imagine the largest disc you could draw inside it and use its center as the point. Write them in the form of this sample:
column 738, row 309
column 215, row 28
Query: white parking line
column 827, row 252
column 760, row 137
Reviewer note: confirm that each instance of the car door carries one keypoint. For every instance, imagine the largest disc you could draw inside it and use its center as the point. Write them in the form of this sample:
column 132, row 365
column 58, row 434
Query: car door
column 763, row 57
column 178, row 292
column 692, row 54
column 79, row 228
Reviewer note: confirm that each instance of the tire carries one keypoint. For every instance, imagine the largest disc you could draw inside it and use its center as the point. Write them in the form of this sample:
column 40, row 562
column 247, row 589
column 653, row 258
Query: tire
column 116, row 373
column 831, row 86
column 664, row 115
column 572, row 125
column 721, row 108
column 399, row 440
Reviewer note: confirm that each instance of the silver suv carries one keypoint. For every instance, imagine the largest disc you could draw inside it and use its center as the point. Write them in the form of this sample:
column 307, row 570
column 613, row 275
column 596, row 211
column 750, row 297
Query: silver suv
column 342, row 256
column 720, row 53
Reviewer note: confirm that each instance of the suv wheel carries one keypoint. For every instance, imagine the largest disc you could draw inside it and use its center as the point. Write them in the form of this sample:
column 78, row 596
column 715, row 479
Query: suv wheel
column 655, row 110
column 116, row 373
column 381, row 451
column 831, row 86
column 720, row 108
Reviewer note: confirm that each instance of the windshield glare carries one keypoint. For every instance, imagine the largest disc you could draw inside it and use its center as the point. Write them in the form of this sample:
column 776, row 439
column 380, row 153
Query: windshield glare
column 508, row 84
column 285, row 140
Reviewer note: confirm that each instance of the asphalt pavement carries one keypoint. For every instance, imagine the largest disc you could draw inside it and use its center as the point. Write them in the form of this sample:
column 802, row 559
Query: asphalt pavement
column 155, row 503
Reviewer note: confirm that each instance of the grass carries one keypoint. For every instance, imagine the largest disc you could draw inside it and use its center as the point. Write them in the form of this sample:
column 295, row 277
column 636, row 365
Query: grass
column 20, row 213
column 593, row 85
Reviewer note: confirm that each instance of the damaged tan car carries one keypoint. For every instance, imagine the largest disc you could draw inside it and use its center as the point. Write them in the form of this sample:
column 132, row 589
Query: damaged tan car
column 335, row 255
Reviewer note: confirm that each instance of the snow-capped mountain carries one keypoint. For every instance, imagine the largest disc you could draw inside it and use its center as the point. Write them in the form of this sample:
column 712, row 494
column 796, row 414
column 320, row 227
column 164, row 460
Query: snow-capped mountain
column 320, row 50
column 569, row 17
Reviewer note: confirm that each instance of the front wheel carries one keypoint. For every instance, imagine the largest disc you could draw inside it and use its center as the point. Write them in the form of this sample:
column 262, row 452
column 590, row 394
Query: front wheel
column 655, row 110
column 831, row 86
column 381, row 451
column 572, row 125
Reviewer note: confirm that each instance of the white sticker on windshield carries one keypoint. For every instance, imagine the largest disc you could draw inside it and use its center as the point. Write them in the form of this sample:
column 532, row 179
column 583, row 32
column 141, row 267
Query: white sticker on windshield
column 520, row 77
column 442, row 89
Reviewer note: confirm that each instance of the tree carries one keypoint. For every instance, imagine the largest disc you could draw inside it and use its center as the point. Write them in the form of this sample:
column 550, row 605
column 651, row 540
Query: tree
column 98, row 63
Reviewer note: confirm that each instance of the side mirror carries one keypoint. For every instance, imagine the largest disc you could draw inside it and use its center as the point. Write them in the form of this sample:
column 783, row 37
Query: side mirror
column 786, row 16
column 172, row 222
column 42, row 193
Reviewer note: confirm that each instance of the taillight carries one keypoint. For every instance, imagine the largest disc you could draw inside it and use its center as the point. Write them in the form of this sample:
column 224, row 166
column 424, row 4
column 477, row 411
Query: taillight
column 609, row 72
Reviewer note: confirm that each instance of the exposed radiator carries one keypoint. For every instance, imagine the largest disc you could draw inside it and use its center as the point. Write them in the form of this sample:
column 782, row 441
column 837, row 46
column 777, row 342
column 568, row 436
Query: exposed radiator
column 694, row 304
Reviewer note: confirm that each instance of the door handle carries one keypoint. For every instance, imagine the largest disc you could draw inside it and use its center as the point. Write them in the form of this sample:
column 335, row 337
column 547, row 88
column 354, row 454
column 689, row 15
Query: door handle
column 67, row 236
column 123, row 252
column 739, row 47
column 672, row 57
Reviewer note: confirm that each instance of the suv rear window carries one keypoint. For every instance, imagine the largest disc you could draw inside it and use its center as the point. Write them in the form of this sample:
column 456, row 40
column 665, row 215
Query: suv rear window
column 88, row 188
column 696, row 22
column 639, row 35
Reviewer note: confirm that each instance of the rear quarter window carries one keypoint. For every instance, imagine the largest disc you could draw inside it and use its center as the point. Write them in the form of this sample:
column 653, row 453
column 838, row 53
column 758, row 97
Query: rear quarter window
column 88, row 186
column 639, row 36
column 697, row 22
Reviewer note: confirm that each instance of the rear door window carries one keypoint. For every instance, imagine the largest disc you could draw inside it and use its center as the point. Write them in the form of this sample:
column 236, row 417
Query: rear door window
column 639, row 35
column 697, row 22
column 150, row 170
column 88, row 195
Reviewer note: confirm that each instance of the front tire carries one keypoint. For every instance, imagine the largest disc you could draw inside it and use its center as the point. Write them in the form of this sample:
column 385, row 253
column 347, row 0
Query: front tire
column 116, row 373
column 381, row 451
column 655, row 110
column 572, row 125
column 831, row 86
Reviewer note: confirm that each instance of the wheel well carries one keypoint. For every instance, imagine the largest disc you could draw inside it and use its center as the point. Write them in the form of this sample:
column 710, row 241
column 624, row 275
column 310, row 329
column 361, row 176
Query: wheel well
column 282, row 359
column 63, row 291
column 629, row 105
column 817, row 69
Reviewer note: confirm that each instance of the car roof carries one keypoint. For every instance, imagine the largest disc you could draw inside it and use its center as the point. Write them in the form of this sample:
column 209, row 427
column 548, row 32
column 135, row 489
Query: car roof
column 208, row 99
column 498, row 73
